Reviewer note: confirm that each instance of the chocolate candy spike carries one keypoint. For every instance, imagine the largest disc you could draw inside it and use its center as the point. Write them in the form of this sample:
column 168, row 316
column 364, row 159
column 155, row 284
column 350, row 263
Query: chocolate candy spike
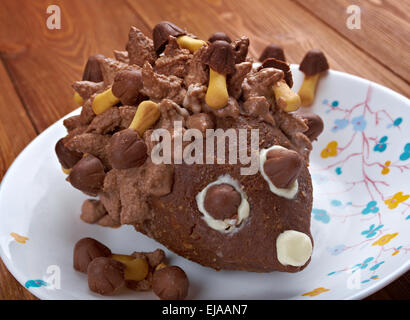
column 219, row 36
column 313, row 63
column 273, row 51
column 126, row 150
column 86, row 250
column 88, row 175
column 92, row 70
column 66, row 157
column 222, row 201
column 162, row 31
column 282, row 167
column 127, row 86
column 170, row 283
column 315, row 124
column 220, row 57
column 281, row 65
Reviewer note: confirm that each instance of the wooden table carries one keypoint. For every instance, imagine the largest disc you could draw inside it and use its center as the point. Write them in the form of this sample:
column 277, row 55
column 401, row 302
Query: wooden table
column 38, row 65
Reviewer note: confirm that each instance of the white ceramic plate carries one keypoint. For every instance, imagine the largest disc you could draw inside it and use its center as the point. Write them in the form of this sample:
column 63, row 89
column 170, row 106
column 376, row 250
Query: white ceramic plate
column 360, row 222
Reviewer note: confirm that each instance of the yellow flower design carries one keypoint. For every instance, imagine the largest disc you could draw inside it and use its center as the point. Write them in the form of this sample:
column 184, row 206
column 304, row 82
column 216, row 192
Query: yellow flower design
column 386, row 168
column 315, row 292
column 398, row 198
column 330, row 150
column 19, row 238
column 384, row 239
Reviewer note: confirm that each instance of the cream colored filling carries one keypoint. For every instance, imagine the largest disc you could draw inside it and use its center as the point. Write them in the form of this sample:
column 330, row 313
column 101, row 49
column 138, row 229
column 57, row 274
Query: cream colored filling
column 289, row 193
column 226, row 225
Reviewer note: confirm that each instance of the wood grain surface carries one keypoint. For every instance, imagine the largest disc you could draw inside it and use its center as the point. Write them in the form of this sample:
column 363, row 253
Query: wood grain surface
column 38, row 65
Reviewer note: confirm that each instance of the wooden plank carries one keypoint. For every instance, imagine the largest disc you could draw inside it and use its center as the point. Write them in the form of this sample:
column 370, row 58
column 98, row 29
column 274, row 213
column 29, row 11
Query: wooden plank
column 384, row 33
column 267, row 21
column 44, row 63
column 16, row 131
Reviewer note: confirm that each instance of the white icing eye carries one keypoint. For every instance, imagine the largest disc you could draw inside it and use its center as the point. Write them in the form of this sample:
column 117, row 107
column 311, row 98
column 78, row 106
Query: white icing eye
column 293, row 248
column 229, row 220
column 288, row 193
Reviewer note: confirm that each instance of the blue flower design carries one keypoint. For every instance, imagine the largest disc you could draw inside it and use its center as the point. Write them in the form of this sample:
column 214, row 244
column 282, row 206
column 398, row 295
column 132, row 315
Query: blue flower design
column 335, row 104
column 359, row 123
column 336, row 203
column 325, row 101
column 319, row 179
column 377, row 265
column 397, row 121
column 362, row 265
column 371, row 208
column 336, row 250
column 381, row 145
column 35, row 283
column 406, row 154
column 338, row 171
column 340, row 124
column 371, row 232
column 321, row 215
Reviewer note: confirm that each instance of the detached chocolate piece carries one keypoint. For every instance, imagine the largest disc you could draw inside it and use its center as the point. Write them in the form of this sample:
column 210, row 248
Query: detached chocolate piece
column 313, row 64
column 86, row 250
column 88, row 175
column 220, row 57
column 67, row 158
column 92, row 71
column 222, row 201
column 219, row 36
column 126, row 150
column 273, row 51
column 315, row 124
column 127, row 86
column 282, row 167
column 106, row 276
column 162, row 31
column 170, row 283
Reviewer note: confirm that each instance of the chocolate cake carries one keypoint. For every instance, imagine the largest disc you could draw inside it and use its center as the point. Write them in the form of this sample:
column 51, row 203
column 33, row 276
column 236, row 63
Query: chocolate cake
column 210, row 212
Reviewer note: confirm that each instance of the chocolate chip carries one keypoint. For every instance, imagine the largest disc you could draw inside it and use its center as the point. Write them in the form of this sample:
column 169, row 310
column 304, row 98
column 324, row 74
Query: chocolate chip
column 162, row 31
column 170, row 283
column 106, row 276
column 88, row 175
column 127, row 86
column 126, row 150
column 86, row 250
column 273, row 51
column 66, row 157
column 222, row 201
column 220, row 57
column 219, row 36
column 281, row 65
column 92, row 71
column 200, row 121
column 313, row 63
column 282, row 167
column 315, row 124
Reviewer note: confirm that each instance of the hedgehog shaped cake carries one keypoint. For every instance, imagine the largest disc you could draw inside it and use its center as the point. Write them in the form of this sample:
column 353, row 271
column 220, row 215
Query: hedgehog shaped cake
column 142, row 148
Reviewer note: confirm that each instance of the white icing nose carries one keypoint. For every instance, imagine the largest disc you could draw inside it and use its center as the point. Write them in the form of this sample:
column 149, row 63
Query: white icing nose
column 293, row 248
